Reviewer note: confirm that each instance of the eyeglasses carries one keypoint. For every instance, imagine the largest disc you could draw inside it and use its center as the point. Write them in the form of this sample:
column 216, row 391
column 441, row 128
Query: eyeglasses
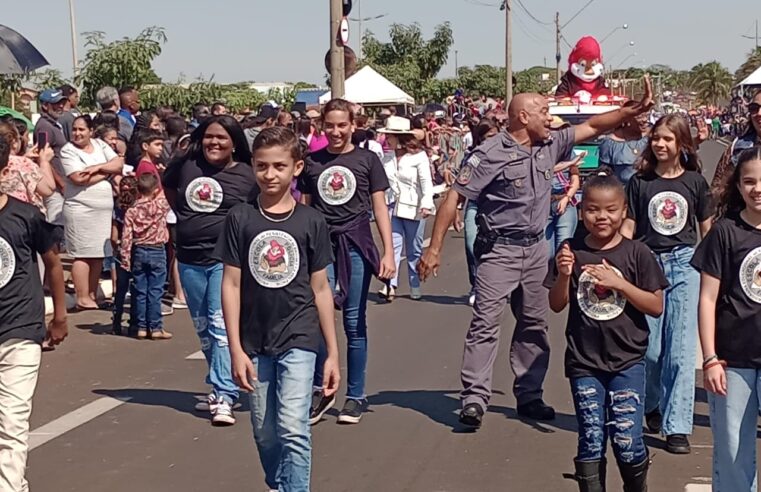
column 753, row 108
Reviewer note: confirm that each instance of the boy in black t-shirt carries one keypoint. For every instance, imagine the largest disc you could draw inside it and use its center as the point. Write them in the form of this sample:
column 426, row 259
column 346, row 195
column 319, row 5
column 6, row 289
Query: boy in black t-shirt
column 24, row 234
column 278, row 306
column 611, row 283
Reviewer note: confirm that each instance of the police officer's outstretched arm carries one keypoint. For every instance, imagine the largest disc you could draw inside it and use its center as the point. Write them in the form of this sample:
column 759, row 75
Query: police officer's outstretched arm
column 602, row 123
column 445, row 215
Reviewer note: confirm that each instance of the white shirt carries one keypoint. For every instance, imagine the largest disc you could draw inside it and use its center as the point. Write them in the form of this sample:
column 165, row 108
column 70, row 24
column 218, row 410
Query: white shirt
column 411, row 184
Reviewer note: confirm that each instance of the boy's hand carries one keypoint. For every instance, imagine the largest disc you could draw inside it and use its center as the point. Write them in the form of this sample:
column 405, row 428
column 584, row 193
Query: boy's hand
column 331, row 376
column 565, row 260
column 243, row 371
column 57, row 331
column 605, row 276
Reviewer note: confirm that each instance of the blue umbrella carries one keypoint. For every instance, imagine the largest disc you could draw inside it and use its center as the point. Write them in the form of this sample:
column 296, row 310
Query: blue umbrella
column 17, row 54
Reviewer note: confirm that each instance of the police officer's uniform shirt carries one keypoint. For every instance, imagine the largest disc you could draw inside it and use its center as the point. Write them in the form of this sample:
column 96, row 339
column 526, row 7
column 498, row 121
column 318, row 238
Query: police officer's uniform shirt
column 23, row 234
column 511, row 183
column 666, row 209
column 341, row 185
column 205, row 194
column 278, row 311
column 731, row 252
column 604, row 331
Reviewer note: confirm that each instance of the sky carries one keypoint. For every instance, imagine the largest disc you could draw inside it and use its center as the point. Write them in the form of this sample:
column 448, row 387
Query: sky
column 286, row 40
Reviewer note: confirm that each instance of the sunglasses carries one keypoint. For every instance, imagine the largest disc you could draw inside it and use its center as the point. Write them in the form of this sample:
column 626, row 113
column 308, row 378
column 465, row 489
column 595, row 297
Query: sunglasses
column 753, row 108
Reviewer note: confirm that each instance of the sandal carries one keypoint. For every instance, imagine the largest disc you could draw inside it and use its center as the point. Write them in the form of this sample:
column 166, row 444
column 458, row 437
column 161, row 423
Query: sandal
column 161, row 335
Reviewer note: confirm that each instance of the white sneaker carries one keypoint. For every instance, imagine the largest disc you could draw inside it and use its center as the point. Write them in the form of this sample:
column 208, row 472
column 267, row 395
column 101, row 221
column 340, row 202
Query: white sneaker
column 207, row 405
column 472, row 299
column 415, row 294
column 178, row 304
column 223, row 415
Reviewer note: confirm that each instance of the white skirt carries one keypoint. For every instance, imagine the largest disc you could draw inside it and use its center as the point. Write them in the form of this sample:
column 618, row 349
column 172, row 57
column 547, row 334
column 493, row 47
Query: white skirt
column 88, row 230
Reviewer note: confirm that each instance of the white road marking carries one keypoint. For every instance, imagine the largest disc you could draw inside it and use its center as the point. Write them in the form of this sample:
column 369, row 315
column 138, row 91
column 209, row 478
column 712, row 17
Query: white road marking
column 196, row 356
column 73, row 419
column 697, row 487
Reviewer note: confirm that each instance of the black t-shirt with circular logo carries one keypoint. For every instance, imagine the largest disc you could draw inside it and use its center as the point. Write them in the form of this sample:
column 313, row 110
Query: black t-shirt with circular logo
column 667, row 210
column 205, row 194
column 341, row 184
column 731, row 252
column 605, row 333
column 278, row 312
column 23, row 234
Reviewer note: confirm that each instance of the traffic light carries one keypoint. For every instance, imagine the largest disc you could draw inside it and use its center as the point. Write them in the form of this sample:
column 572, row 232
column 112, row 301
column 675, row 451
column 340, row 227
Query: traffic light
column 347, row 7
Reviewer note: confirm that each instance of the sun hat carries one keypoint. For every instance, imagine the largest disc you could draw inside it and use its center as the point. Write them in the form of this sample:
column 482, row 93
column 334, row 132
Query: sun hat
column 397, row 125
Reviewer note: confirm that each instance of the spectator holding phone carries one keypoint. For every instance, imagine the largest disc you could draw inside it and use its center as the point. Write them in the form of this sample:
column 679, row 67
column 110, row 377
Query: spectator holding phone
column 49, row 132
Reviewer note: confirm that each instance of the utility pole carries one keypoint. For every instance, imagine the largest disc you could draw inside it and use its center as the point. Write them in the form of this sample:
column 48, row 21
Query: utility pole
column 557, row 47
column 359, row 12
column 74, row 56
column 337, row 73
column 456, row 64
column 508, row 52
column 753, row 37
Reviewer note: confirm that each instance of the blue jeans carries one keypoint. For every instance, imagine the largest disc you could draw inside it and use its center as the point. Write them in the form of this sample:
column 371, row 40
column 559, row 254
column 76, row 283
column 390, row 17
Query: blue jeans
column 149, row 276
column 471, row 231
column 407, row 234
column 355, row 327
column 123, row 285
column 733, row 423
column 560, row 227
column 280, row 418
column 609, row 407
column 203, row 292
column 672, row 344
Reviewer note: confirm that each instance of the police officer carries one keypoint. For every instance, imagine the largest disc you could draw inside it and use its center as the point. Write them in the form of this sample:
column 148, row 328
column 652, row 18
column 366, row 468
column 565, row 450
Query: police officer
column 510, row 176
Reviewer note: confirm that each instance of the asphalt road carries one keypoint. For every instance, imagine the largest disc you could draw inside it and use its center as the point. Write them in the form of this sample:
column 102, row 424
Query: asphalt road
column 115, row 414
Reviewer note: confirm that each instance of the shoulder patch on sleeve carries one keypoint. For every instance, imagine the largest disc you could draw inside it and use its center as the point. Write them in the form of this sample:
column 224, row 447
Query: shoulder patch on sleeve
column 466, row 172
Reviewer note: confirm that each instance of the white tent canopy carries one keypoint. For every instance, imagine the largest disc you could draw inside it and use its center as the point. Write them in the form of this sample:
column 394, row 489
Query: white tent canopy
column 752, row 79
column 368, row 87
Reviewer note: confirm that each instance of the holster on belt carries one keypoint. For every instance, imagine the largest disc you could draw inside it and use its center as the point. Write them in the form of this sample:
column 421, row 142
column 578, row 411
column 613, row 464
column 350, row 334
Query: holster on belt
column 485, row 239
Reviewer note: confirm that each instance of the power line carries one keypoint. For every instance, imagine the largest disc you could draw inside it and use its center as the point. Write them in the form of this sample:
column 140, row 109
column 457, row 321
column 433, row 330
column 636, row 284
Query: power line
column 527, row 31
column 482, row 4
column 577, row 14
column 520, row 3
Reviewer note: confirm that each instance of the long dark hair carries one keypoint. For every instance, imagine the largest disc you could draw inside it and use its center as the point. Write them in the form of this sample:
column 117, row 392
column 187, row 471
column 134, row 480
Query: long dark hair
column 480, row 131
column 730, row 200
column 750, row 131
column 688, row 156
column 241, row 150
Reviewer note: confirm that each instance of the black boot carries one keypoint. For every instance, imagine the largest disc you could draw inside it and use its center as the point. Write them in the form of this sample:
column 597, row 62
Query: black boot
column 590, row 475
column 635, row 476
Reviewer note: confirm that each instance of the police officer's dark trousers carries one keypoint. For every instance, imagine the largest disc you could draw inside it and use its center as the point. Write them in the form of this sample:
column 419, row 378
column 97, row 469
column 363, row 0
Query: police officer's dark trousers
column 500, row 273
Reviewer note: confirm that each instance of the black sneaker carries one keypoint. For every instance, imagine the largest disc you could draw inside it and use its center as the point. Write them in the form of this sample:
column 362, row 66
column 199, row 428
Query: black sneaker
column 678, row 444
column 536, row 410
column 352, row 411
column 654, row 421
column 472, row 415
column 320, row 405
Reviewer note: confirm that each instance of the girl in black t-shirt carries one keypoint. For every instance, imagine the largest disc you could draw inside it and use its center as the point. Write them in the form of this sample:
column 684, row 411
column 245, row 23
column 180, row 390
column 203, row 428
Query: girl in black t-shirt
column 729, row 261
column 669, row 203
column 611, row 283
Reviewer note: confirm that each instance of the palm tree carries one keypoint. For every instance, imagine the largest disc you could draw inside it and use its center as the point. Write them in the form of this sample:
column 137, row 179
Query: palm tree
column 752, row 63
column 712, row 82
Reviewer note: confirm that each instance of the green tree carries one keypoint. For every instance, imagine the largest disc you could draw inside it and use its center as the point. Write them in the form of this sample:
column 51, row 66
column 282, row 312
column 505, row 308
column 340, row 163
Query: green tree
column 485, row 80
column 752, row 63
column 409, row 60
column 118, row 63
column 712, row 82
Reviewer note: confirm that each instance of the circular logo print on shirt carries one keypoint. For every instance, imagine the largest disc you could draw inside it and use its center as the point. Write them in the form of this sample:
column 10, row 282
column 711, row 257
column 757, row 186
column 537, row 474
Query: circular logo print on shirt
column 668, row 213
column 7, row 263
column 750, row 275
column 273, row 258
column 204, row 195
column 597, row 302
column 336, row 185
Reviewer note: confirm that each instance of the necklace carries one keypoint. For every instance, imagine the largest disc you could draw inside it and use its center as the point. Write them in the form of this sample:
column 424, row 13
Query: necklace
column 261, row 211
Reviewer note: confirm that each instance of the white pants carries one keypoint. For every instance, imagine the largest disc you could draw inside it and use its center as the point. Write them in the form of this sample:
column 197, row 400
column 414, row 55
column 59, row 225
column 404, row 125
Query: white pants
column 19, row 366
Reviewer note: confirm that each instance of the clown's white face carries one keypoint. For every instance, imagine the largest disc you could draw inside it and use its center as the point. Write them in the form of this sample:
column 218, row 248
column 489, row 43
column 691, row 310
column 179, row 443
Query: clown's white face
column 587, row 70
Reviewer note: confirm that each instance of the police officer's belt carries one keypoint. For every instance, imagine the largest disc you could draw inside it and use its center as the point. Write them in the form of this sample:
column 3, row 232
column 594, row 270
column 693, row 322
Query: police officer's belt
column 518, row 239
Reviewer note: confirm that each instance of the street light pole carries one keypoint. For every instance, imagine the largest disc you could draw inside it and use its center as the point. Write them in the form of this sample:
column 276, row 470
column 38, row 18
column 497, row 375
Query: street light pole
column 75, row 58
column 611, row 33
column 508, row 52
column 337, row 73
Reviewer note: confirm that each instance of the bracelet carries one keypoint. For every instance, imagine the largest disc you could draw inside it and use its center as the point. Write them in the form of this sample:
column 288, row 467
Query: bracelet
column 714, row 364
column 709, row 359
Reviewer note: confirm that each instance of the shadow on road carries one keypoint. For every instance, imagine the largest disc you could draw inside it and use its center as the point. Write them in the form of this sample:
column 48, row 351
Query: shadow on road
column 181, row 401
column 97, row 328
column 443, row 406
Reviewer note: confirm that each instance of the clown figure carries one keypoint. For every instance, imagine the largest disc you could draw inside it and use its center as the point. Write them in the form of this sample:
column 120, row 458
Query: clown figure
column 584, row 79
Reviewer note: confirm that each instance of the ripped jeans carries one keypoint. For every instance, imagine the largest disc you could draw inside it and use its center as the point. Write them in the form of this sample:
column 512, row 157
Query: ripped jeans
column 610, row 405
column 203, row 291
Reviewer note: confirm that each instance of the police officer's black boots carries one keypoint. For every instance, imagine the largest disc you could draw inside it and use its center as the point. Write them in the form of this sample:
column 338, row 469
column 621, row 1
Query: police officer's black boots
column 635, row 476
column 590, row 475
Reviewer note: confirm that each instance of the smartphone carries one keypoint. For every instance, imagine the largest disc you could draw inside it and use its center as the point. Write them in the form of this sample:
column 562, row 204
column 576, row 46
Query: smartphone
column 42, row 140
